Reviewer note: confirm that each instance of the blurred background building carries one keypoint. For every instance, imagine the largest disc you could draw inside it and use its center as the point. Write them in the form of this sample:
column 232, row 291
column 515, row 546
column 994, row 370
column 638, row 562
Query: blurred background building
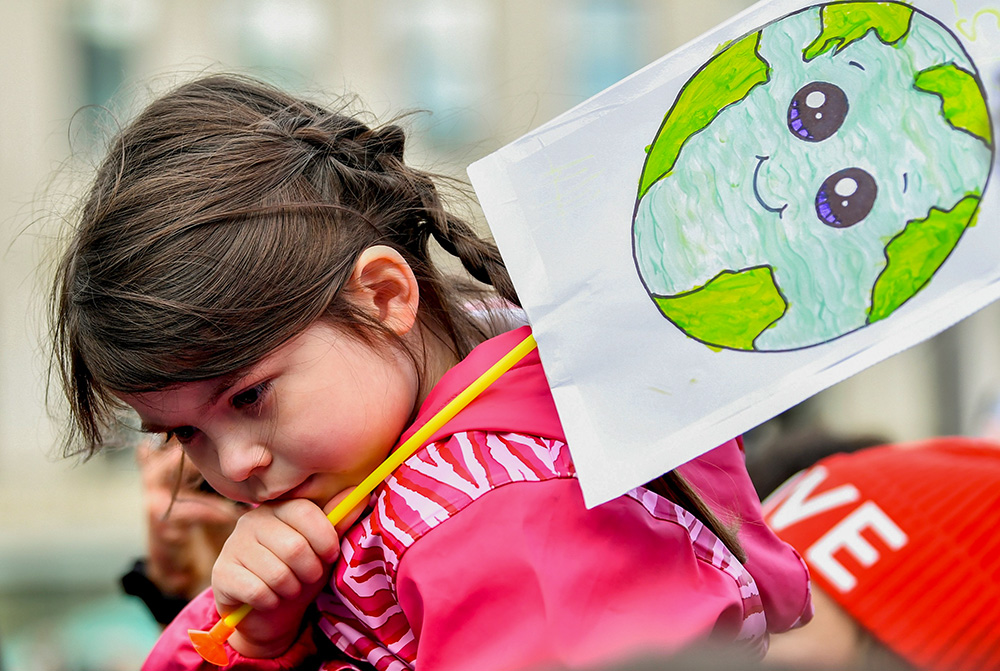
column 483, row 72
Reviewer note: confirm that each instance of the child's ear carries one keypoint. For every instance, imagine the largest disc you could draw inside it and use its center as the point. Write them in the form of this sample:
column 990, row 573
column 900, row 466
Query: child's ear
column 384, row 284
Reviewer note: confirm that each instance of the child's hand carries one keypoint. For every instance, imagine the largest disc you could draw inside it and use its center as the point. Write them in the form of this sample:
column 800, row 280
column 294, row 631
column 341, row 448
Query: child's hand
column 277, row 560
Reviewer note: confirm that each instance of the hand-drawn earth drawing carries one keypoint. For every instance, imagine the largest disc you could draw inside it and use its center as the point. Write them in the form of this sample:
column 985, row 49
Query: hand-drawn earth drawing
column 812, row 176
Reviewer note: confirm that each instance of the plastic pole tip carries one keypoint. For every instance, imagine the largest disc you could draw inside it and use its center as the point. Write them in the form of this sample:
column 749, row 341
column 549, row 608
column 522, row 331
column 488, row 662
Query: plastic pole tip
column 209, row 646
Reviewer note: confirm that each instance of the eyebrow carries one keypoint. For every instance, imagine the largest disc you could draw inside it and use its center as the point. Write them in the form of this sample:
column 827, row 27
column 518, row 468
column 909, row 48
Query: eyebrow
column 225, row 383
column 146, row 427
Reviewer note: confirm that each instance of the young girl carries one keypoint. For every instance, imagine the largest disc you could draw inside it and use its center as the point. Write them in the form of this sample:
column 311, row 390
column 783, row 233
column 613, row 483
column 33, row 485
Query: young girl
column 251, row 274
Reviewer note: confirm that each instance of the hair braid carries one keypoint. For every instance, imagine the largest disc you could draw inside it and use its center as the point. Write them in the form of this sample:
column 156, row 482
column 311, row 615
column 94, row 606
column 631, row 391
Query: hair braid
column 480, row 257
column 380, row 150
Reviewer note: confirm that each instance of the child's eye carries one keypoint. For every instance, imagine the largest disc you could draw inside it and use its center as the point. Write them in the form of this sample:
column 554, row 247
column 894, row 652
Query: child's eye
column 183, row 434
column 250, row 397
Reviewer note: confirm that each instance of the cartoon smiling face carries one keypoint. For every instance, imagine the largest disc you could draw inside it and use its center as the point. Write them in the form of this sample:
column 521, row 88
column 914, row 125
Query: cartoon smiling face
column 811, row 177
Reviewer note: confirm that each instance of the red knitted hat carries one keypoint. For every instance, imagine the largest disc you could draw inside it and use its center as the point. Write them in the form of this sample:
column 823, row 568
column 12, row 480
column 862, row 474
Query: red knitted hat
column 906, row 538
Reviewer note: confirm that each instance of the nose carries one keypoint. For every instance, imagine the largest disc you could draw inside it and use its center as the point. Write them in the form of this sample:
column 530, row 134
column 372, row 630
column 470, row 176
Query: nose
column 240, row 457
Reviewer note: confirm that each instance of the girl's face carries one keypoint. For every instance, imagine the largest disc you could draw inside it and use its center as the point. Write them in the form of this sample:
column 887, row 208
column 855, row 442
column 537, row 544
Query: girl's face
column 310, row 420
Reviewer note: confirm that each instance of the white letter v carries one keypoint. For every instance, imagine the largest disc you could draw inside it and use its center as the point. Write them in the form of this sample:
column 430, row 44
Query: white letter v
column 797, row 506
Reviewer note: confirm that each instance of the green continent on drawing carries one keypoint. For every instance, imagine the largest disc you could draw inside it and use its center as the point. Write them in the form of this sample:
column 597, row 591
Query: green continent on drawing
column 962, row 101
column 812, row 177
column 724, row 80
column 713, row 313
column 847, row 22
column 916, row 253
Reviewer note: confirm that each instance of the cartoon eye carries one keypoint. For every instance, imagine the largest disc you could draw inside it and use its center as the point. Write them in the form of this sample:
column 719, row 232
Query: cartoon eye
column 817, row 111
column 846, row 197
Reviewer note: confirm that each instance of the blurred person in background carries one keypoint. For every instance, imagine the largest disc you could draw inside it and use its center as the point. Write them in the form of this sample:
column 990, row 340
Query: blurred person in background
column 187, row 524
column 773, row 461
column 901, row 542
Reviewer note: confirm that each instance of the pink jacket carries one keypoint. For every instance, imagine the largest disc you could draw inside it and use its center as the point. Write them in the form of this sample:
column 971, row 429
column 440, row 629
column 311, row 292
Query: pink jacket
column 511, row 571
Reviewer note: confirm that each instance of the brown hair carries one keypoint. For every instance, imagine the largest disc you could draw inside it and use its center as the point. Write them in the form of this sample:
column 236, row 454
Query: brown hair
column 225, row 219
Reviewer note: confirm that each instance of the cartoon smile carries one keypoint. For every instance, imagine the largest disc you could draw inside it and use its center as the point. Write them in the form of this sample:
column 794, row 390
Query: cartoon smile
column 756, row 189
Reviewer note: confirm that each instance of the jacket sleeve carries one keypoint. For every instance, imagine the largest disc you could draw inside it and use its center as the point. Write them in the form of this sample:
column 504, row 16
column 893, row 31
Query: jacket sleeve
column 720, row 476
column 526, row 577
column 174, row 652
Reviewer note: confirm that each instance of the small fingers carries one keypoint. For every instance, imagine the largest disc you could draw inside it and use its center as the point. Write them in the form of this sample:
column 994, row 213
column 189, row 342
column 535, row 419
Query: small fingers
column 287, row 562
column 311, row 523
column 235, row 584
column 274, row 553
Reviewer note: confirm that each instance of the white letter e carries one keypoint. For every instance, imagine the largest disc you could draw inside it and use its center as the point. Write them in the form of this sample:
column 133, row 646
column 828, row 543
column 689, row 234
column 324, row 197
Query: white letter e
column 847, row 535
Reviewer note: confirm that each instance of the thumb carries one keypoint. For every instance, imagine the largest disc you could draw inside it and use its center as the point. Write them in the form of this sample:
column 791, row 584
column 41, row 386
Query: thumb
column 347, row 520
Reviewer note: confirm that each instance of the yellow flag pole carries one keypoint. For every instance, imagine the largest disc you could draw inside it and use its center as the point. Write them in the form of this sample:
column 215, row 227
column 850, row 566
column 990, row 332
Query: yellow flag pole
column 209, row 644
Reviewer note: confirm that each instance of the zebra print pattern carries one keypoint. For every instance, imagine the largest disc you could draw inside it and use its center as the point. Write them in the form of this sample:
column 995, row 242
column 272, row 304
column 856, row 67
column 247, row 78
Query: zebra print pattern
column 362, row 615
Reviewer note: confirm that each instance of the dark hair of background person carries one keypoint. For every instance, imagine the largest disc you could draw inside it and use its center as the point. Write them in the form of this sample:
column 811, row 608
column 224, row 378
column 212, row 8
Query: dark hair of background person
column 772, row 462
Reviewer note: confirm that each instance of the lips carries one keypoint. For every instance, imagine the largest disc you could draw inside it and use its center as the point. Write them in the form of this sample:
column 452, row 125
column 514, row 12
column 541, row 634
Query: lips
column 311, row 489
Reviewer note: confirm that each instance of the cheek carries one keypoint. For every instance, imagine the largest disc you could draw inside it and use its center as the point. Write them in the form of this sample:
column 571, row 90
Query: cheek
column 384, row 403
column 396, row 408
column 366, row 436
column 199, row 456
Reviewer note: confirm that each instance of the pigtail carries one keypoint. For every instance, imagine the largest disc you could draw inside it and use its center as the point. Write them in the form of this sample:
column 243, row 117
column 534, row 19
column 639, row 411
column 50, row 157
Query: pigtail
column 479, row 257
column 379, row 153
column 344, row 141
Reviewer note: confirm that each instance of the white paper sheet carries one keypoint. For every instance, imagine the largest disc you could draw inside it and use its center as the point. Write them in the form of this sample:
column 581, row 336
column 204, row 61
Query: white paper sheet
column 682, row 300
